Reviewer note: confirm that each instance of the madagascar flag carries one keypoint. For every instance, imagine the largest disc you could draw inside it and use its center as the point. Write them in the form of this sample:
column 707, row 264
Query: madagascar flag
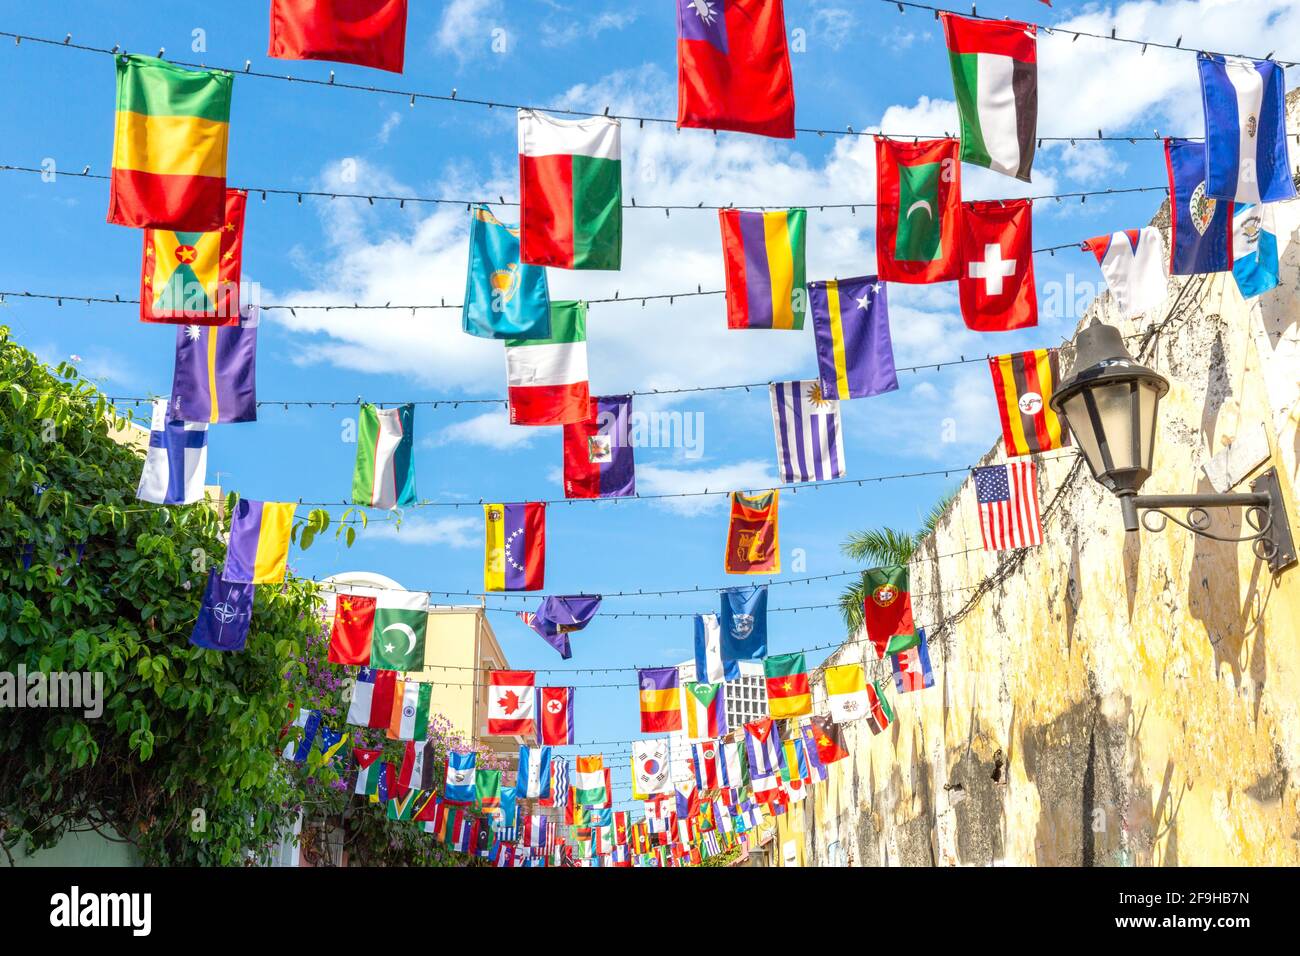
column 887, row 610
column 1023, row 384
column 514, row 553
column 764, row 256
column 788, row 693
column 169, row 146
column 364, row 32
column 918, row 210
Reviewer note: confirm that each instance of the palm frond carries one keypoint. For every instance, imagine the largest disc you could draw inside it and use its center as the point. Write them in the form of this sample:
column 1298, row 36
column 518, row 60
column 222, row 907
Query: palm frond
column 879, row 546
column 851, row 601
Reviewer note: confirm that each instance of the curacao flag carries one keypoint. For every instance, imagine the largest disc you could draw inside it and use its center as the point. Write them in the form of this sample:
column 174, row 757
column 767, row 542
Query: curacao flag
column 763, row 253
column 514, row 553
column 546, row 378
column 258, row 550
column 571, row 191
column 169, row 146
column 704, row 710
column 385, row 473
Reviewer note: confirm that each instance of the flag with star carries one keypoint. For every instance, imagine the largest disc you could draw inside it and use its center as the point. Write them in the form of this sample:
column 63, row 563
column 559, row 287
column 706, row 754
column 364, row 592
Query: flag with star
column 192, row 278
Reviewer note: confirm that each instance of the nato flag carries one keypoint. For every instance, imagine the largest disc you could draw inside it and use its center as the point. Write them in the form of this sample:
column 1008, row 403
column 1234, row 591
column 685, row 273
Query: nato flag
column 224, row 617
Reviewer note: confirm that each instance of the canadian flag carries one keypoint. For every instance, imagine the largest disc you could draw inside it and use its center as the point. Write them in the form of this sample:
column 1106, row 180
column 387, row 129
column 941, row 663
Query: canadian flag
column 511, row 704
column 996, row 285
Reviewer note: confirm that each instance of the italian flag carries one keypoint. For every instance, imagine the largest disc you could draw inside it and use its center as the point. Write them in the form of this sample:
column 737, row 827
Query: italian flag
column 547, row 378
column 995, row 79
column 571, row 191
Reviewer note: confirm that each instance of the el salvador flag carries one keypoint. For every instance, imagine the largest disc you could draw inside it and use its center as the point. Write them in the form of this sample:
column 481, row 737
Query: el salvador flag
column 1254, row 250
column 1245, row 129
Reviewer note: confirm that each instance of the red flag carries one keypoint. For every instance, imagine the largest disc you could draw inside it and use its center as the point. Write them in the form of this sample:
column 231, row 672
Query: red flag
column 193, row 278
column 733, row 67
column 829, row 739
column 996, row 284
column 511, row 704
column 918, row 210
column 364, row 32
column 354, row 622
column 556, row 705
column 752, row 545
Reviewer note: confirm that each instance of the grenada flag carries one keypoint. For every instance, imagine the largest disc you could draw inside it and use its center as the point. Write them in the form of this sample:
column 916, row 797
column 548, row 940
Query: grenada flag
column 918, row 210
column 192, row 278
column 571, row 191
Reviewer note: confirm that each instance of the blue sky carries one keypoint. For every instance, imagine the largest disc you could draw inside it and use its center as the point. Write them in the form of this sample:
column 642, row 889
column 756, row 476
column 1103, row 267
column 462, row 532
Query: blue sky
column 863, row 66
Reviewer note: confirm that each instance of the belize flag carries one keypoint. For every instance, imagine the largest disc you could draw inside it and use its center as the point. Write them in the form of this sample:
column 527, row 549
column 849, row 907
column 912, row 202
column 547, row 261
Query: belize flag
column 1245, row 129
column 1200, row 225
column 733, row 67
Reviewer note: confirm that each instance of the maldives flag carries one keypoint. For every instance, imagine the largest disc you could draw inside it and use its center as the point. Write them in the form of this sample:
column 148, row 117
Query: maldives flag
column 547, row 378
column 556, row 706
column 887, row 610
column 918, row 210
column 996, row 285
column 365, row 32
column 571, row 191
column 733, row 67
column 511, row 698
column 354, row 622
column 598, row 461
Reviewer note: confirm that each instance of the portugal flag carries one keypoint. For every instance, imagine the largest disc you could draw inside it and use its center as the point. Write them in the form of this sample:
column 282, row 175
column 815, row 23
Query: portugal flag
column 888, row 610
column 918, row 210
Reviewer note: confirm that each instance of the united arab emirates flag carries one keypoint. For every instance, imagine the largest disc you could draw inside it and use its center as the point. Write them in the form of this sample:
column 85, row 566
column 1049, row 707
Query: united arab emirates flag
column 401, row 622
column 888, row 610
column 995, row 79
column 918, row 210
column 547, row 378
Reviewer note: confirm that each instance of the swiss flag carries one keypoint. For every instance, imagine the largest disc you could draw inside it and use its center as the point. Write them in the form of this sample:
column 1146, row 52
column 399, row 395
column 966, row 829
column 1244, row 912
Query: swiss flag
column 996, row 284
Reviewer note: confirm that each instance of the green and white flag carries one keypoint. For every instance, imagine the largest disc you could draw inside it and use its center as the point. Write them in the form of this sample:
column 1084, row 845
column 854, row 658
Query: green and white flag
column 995, row 79
column 401, row 623
column 385, row 473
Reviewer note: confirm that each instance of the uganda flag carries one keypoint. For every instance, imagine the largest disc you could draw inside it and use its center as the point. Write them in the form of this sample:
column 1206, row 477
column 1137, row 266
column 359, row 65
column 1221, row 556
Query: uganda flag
column 918, row 210
column 192, row 278
column 169, row 146
column 788, row 693
column 1023, row 383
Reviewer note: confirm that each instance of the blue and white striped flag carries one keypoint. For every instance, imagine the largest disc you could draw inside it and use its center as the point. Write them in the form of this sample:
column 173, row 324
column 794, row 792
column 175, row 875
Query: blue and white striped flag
column 534, row 778
column 1245, row 129
column 710, row 668
column 809, row 440
column 559, row 782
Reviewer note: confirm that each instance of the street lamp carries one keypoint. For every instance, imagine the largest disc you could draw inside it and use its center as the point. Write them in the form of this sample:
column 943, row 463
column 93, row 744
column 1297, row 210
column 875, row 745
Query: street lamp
column 1111, row 403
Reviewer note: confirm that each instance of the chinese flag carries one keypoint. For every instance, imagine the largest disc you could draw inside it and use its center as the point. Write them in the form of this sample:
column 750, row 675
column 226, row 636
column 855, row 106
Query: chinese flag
column 733, row 67
column 996, row 285
column 354, row 621
column 752, row 546
column 364, row 32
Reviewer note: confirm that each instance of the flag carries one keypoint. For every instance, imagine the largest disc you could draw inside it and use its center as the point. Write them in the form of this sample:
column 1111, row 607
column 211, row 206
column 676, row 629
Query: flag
column 794, row 765
column 559, row 777
column 788, row 693
column 193, row 277
column 385, row 472
column 735, row 768
column 709, row 664
column 258, row 550
column 214, row 379
column 660, row 688
column 1023, row 383
column 1200, row 226
column 761, row 751
column 855, row 355
column 555, row 707
column 996, row 285
column 912, row 667
column 571, row 192
column 846, row 692
column 176, row 461
column 514, row 554
column 401, row 626
column 918, row 210
column 558, row 616
column 309, row 721
column 331, row 742
column 1133, row 263
column 1254, row 249
column 365, row 768
column 224, row 616
column 1008, row 505
column 995, row 81
column 817, row 772
column 879, row 714
column 354, row 623
column 504, row 298
column 365, row 32
column 547, row 377
column 708, row 769
column 598, row 459
column 763, row 254
column 461, row 785
column 169, row 146
column 809, row 439
column 733, row 67
column 590, row 782
column 704, row 710
column 533, row 781
column 829, row 738
column 752, row 545
column 687, row 798
column 511, row 704
column 742, row 624
column 1245, row 129
column 411, row 772
column 372, row 698
column 412, row 703
column 651, row 766
column 887, row 610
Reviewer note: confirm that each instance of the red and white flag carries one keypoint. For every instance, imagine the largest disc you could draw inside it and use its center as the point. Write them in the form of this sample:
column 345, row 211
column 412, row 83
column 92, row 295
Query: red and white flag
column 511, row 704
column 556, row 717
column 996, row 285
column 1008, row 505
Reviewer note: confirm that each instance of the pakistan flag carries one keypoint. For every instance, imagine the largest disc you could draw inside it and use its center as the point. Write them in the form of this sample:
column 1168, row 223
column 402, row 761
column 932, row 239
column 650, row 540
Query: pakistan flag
column 918, row 209
column 401, row 623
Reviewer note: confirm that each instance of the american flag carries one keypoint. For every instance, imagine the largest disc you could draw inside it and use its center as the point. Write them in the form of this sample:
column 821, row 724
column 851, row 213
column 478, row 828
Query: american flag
column 1008, row 502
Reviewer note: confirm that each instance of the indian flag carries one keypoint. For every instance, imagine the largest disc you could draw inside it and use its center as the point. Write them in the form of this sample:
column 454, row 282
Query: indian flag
column 411, row 706
column 571, row 191
column 169, row 146
column 995, row 79
column 547, row 378
column 589, row 782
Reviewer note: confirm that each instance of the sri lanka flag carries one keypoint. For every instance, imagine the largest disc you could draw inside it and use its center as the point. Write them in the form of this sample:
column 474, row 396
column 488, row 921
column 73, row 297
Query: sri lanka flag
column 514, row 554
column 258, row 551
column 193, row 277
column 764, row 257
column 547, row 377
column 214, row 379
column 169, row 146
column 733, row 67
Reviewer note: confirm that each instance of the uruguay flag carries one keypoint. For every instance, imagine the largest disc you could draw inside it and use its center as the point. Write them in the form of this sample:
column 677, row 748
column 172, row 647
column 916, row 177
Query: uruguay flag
column 1254, row 250
column 1245, row 129
column 176, row 462
column 534, row 779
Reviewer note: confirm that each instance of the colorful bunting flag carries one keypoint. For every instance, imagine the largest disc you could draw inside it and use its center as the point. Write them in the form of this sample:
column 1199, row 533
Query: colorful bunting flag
column 752, row 534
column 533, row 780
column 511, row 704
column 176, row 461
column 558, row 616
column 193, row 277
column 855, row 354
column 660, row 690
column 365, row 32
column 809, row 438
column 1023, row 384
column 918, row 210
column 258, row 550
column 365, row 768
column 996, row 285
column 762, row 742
column 709, row 664
column 385, row 472
column 763, row 253
column 555, row 706
column 547, row 377
column 879, row 714
column 514, row 554
column 598, row 458
column 224, row 616
column 1245, row 129
column 708, row 771
column 742, row 624
column 309, row 721
column 590, row 778
column 788, row 693
column 1007, row 496
column 504, row 297
column 704, row 710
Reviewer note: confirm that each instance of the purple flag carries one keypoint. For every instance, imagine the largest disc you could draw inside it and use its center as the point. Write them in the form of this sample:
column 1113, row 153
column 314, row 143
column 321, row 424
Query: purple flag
column 558, row 616
column 215, row 380
column 598, row 456
column 224, row 616
column 855, row 357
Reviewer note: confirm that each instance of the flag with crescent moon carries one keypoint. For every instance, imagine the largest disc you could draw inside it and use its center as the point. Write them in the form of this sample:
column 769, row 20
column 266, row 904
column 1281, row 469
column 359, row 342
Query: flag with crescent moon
column 918, row 210
column 401, row 622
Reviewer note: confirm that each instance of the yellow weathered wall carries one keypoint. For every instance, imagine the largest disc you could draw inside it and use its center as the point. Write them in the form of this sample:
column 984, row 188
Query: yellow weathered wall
column 1143, row 690
column 449, row 647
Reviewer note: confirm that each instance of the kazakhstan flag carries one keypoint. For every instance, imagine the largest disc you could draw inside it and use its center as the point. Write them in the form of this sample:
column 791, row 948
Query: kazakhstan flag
column 504, row 298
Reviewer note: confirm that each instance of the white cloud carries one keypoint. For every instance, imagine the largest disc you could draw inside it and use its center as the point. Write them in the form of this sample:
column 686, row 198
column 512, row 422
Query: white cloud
column 659, row 480
column 465, row 29
column 391, row 122
column 833, row 26
column 454, row 532
column 555, row 33
column 492, row 430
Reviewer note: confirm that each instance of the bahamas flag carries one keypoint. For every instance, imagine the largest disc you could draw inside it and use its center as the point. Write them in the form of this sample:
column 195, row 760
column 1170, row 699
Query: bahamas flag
column 764, row 257
column 169, row 146
column 193, row 277
column 258, row 551
column 504, row 297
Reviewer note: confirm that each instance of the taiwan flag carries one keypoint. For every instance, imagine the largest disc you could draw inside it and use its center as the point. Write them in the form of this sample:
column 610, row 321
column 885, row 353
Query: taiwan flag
column 733, row 67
